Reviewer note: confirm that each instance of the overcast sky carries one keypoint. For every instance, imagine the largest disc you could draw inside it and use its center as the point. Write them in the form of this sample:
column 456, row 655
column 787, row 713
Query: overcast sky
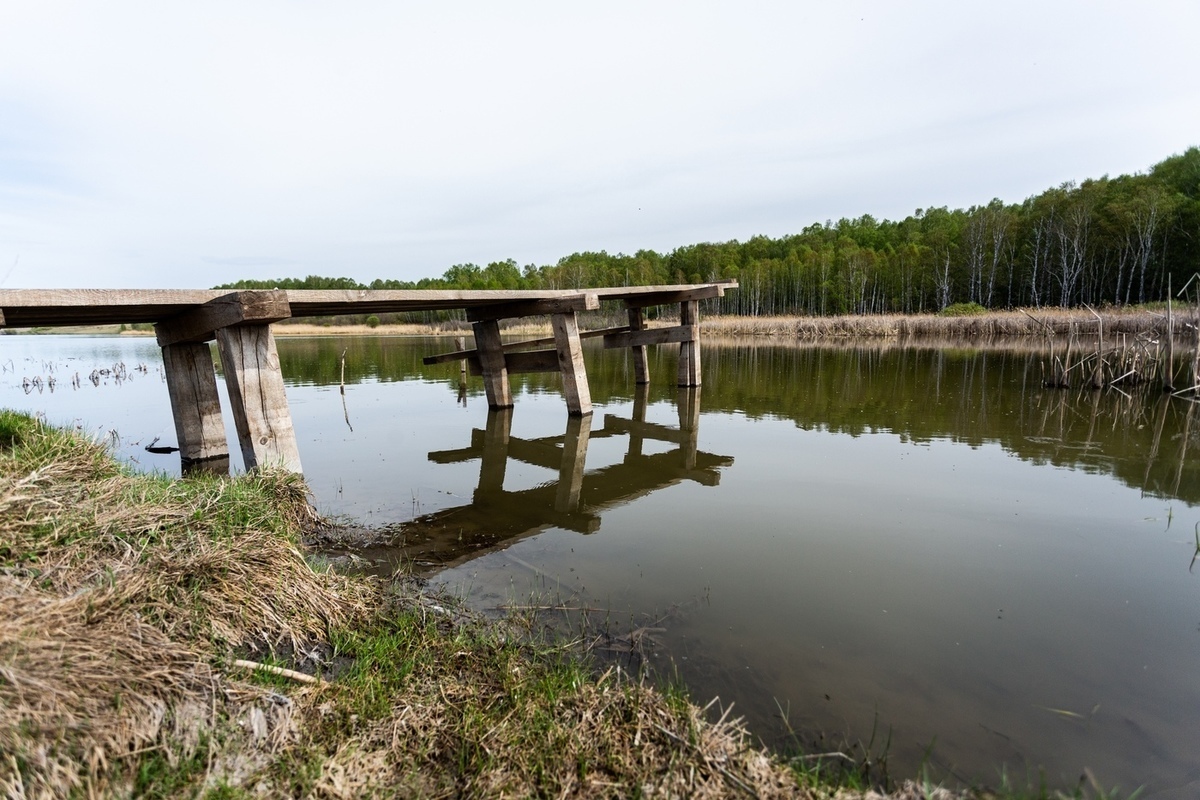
column 160, row 144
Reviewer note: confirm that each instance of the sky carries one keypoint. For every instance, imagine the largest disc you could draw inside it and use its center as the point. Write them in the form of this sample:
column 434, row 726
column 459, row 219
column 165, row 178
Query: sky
column 183, row 145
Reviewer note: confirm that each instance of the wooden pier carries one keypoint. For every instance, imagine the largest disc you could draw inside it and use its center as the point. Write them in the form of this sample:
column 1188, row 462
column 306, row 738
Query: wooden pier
column 185, row 321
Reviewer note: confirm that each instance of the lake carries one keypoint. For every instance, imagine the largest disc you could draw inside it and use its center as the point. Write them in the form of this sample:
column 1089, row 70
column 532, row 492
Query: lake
column 918, row 549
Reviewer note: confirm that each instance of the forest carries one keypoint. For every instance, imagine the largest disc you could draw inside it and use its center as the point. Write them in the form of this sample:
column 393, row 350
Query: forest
column 1103, row 241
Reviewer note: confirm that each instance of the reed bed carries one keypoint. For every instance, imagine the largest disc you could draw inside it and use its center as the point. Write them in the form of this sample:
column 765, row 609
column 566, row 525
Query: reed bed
column 987, row 326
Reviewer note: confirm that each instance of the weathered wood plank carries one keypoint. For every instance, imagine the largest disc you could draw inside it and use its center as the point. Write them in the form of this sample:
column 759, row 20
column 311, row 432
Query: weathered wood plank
column 679, row 333
column 522, row 362
column 662, row 298
column 623, row 292
column 492, row 363
column 641, row 370
column 201, row 324
column 570, row 361
column 195, row 404
column 532, row 361
column 38, row 307
column 27, row 308
column 461, row 353
column 534, row 308
column 689, row 349
column 256, row 394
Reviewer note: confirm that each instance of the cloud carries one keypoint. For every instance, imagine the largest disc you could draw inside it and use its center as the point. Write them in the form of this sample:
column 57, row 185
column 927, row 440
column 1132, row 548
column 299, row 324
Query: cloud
column 152, row 144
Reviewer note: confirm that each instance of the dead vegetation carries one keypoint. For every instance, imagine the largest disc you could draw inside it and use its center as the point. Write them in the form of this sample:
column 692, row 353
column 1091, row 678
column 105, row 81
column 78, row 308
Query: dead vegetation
column 1034, row 323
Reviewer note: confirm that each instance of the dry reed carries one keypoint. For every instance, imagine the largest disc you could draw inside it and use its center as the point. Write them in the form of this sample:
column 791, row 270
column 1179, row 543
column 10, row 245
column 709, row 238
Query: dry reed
column 988, row 326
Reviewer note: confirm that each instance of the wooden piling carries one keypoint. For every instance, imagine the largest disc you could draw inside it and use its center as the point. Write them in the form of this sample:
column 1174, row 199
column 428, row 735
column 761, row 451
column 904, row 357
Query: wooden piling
column 570, row 363
column 195, row 404
column 256, row 394
column 641, row 371
column 492, row 363
column 689, row 351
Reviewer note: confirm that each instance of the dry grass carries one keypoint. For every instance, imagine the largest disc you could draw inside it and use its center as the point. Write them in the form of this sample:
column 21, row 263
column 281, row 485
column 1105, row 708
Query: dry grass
column 990, row 325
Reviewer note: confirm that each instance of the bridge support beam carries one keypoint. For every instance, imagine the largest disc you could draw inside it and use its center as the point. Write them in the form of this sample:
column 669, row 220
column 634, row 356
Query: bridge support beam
column 192, row 387
column 570, row 363
column 689, row 349
column 641, row 371
column 256, row 394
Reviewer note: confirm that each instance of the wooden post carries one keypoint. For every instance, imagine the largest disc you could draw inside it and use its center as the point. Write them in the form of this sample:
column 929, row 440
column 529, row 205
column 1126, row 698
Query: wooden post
column 492, row 364
column 641, row 372
column 570, row 363
column 689, row 351
column 192, row 386
column 260, row 409
column 494, row 458
column 574, row 458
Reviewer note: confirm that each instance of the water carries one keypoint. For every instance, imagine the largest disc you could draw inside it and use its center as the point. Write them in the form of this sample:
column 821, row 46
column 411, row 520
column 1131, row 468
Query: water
column 917, row 542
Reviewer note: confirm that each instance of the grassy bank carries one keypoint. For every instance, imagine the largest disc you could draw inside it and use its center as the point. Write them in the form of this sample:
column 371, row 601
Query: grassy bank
column 167, row 638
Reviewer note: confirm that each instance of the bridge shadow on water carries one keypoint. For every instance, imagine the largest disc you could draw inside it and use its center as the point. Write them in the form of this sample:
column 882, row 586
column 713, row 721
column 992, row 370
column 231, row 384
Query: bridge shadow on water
column 497, row 517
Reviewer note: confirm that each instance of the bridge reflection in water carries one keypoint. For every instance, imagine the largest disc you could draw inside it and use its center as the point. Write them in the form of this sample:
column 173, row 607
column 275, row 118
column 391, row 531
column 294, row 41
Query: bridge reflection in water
column 497, row 518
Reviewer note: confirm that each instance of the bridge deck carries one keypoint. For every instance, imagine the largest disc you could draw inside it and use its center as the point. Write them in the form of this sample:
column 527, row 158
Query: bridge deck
column 29, row 308
column 240, row 321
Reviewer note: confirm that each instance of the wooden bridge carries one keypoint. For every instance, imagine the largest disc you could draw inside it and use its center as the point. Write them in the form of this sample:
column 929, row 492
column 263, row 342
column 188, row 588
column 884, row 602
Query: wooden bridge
column 185, row 321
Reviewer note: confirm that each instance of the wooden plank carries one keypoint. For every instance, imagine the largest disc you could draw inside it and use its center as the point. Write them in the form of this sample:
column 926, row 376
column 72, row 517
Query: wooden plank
column 641, row 370
column 201, row 324
column 195, row 404
column 623, row 292
column 689, row 349
column 570, row 361
column 521, row 363
column 461, row 353
column 492, row 364
column 331, row 302
column 41, row 307
column 256, row 394
column 679, row 333
column 28, row 308
column 644, row 299
column 534, row 308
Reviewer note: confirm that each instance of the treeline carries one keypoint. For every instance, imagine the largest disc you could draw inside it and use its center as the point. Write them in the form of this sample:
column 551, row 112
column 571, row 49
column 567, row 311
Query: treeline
column 1103, row 241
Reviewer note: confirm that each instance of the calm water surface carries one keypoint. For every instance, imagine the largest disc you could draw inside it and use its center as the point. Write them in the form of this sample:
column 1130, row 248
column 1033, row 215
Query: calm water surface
column 917, row 542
